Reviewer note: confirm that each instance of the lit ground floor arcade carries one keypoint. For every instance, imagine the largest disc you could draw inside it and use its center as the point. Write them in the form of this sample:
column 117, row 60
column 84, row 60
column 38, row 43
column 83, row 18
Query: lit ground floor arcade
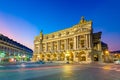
column 64, row 56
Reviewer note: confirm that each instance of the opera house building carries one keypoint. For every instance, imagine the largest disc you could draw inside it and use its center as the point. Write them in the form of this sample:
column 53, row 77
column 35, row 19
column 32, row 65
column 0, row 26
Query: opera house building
column 75, row 44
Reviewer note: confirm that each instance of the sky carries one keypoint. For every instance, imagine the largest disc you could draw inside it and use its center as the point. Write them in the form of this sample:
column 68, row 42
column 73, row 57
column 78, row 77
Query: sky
column 22, row 20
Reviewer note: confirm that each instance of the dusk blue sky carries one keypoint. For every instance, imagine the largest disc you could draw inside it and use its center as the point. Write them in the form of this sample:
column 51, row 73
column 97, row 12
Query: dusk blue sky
column 22, row 20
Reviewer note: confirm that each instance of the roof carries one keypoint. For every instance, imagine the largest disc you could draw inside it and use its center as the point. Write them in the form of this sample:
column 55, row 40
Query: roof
column 115, row 52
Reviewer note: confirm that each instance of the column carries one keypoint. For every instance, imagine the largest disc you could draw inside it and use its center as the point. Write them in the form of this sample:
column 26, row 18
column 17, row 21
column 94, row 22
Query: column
column 57, row 56
column 75, row 41
column 99, row 46
column 65, row 59
column 74, row 56
column 40, row 47
column 86, row 41
column 38, row 50
column 100, row 56
column 68, row 47
column 12, row 52
column 46, row 48
column 52, row 46
column 65, row 44
column 88, row 57
column 34, row 48
column 89, row 41
column 58, row 45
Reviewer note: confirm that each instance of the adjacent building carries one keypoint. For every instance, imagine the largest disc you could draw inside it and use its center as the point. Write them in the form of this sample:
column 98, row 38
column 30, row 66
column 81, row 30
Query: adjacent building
column 75, row 44
column 115, row 55
column 11, row 50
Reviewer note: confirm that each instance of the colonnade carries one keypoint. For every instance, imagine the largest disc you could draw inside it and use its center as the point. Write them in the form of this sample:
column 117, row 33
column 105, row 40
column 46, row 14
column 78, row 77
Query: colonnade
column 71, row 43
column 64, row 49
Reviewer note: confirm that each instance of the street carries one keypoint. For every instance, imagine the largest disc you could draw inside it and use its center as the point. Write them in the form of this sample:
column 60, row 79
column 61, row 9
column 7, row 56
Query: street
column 61, row 72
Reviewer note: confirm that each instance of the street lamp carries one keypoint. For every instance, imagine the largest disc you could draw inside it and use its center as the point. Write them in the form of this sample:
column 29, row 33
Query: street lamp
column 107, row 52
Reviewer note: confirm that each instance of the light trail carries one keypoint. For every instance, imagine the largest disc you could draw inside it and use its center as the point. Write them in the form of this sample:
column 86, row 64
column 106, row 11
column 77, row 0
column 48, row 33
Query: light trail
column 26, row 69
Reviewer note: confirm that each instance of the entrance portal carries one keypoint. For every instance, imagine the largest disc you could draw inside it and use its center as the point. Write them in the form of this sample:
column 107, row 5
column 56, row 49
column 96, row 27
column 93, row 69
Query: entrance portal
column 82, row 56
column 96, row 57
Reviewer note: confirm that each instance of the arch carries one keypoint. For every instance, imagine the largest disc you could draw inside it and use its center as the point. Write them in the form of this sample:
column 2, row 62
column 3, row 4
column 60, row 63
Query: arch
column 42, row 56
column 48, row 57
column 95, row 56
column 62, row 56
column 71, row 56
column 54, row 57
column 82, row 56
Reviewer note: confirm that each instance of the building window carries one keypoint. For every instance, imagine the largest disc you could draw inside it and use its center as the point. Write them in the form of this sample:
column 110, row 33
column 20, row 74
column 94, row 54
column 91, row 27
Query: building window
column 71, row 45
column 46, row 37
column 82, row 42
column 53, row 36
column 62, row 46
column 59, row 34
column 83, row 58
column 67, row 33
column 82, row 36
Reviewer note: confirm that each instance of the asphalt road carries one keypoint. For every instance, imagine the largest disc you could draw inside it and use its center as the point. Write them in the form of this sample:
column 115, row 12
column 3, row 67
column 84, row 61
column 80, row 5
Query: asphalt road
column 61, row 72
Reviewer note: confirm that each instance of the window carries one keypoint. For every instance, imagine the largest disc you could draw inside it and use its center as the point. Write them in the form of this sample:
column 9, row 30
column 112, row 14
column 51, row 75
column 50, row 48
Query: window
column 82, row 42
column 53, row 36
column 67, row 33
column 83, row 58
column 82, row 36
column 59, row 34
column 46, row 37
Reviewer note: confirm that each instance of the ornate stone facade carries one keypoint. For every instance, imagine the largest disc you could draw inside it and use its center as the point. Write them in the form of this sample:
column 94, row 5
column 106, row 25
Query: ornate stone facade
column 73, row 44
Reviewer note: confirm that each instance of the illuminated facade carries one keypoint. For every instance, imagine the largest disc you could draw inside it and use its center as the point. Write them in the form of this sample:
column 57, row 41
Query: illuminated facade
column 11, row 51
column 73, row 44
column 115, row 55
